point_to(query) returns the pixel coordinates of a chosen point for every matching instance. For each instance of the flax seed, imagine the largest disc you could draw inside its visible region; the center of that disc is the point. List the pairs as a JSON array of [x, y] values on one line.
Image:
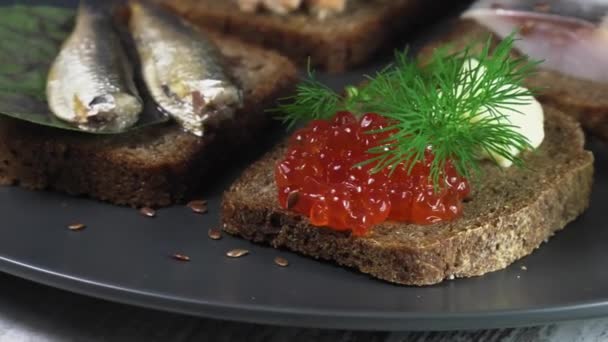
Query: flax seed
[[237, 253]]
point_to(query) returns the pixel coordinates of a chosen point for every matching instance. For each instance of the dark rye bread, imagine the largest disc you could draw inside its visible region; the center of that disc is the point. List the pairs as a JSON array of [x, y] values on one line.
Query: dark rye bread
[[510, 214], [584, 100], [154, 166], [334, 44]]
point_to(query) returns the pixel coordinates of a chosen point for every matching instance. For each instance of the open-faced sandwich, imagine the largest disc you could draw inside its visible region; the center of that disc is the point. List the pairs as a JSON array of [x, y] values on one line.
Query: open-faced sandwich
[[429, 171], [138, 118], [331, 34], [571, 37]]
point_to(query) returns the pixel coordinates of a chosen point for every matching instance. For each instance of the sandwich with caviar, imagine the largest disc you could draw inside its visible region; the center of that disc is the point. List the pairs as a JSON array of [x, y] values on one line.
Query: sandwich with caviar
[[429, 171]]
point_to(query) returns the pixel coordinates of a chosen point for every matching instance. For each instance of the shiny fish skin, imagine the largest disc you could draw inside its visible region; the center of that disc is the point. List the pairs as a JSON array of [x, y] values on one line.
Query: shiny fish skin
[[90, 83], [182, 69], [570, 36]]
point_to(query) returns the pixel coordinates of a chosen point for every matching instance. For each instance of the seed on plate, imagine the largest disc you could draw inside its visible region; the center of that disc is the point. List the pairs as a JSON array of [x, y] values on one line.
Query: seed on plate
[[147, 211], [237, 253], [181, 257], [292, 199], [281, 261], [76, 226], [198, 206], [214, 234]]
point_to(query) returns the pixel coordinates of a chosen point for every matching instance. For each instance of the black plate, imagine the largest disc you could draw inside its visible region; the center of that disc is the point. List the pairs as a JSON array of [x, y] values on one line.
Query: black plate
[[125, 257]]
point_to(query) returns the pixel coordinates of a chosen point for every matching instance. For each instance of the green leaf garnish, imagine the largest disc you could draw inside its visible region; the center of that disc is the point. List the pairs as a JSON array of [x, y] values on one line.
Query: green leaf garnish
[[313, 101], [30, 38], [449, 105]]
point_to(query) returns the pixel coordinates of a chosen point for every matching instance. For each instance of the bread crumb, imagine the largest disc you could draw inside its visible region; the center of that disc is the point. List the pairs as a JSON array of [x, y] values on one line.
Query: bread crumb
[[518, 277], [451, 277], [524, 268]]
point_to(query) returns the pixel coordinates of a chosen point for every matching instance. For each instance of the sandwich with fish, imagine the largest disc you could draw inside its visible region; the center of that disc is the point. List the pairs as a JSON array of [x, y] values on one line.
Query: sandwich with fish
[[570, 37], [133, 111]]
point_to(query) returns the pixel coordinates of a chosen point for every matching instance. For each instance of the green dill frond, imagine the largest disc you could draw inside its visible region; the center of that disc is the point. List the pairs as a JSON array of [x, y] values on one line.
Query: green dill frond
[[452, 105], [312, 100]]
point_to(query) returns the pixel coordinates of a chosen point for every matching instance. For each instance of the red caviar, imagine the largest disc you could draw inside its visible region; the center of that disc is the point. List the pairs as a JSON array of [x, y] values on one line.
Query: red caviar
[[318, 178]]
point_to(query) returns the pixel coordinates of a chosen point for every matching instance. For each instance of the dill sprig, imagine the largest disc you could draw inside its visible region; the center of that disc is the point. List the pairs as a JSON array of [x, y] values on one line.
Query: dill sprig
[[312, 100], [451, 105]]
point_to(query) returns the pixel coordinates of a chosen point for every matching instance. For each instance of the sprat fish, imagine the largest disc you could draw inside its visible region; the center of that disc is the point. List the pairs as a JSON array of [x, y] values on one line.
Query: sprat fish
[[90, 83], [570, 36], [182, 69]]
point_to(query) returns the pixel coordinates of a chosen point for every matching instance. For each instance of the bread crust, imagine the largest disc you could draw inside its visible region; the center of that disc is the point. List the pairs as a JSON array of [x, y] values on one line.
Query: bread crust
[[154, 166], [512, 212]]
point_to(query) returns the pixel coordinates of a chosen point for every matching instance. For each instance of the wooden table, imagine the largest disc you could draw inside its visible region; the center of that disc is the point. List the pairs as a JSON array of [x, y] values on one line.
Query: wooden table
[[32, 312]]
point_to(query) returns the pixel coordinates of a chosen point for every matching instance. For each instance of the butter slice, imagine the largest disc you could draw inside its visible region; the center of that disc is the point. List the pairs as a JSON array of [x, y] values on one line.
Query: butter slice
[[527, 119]]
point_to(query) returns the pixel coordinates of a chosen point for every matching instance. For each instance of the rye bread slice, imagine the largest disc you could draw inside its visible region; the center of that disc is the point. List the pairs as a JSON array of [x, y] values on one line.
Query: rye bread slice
[[154, 166], [585, 100], [511, 213], [334, 44]]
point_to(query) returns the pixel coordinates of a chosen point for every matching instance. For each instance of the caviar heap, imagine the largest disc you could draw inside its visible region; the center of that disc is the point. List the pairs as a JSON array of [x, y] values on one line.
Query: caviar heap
[[320, 177]]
